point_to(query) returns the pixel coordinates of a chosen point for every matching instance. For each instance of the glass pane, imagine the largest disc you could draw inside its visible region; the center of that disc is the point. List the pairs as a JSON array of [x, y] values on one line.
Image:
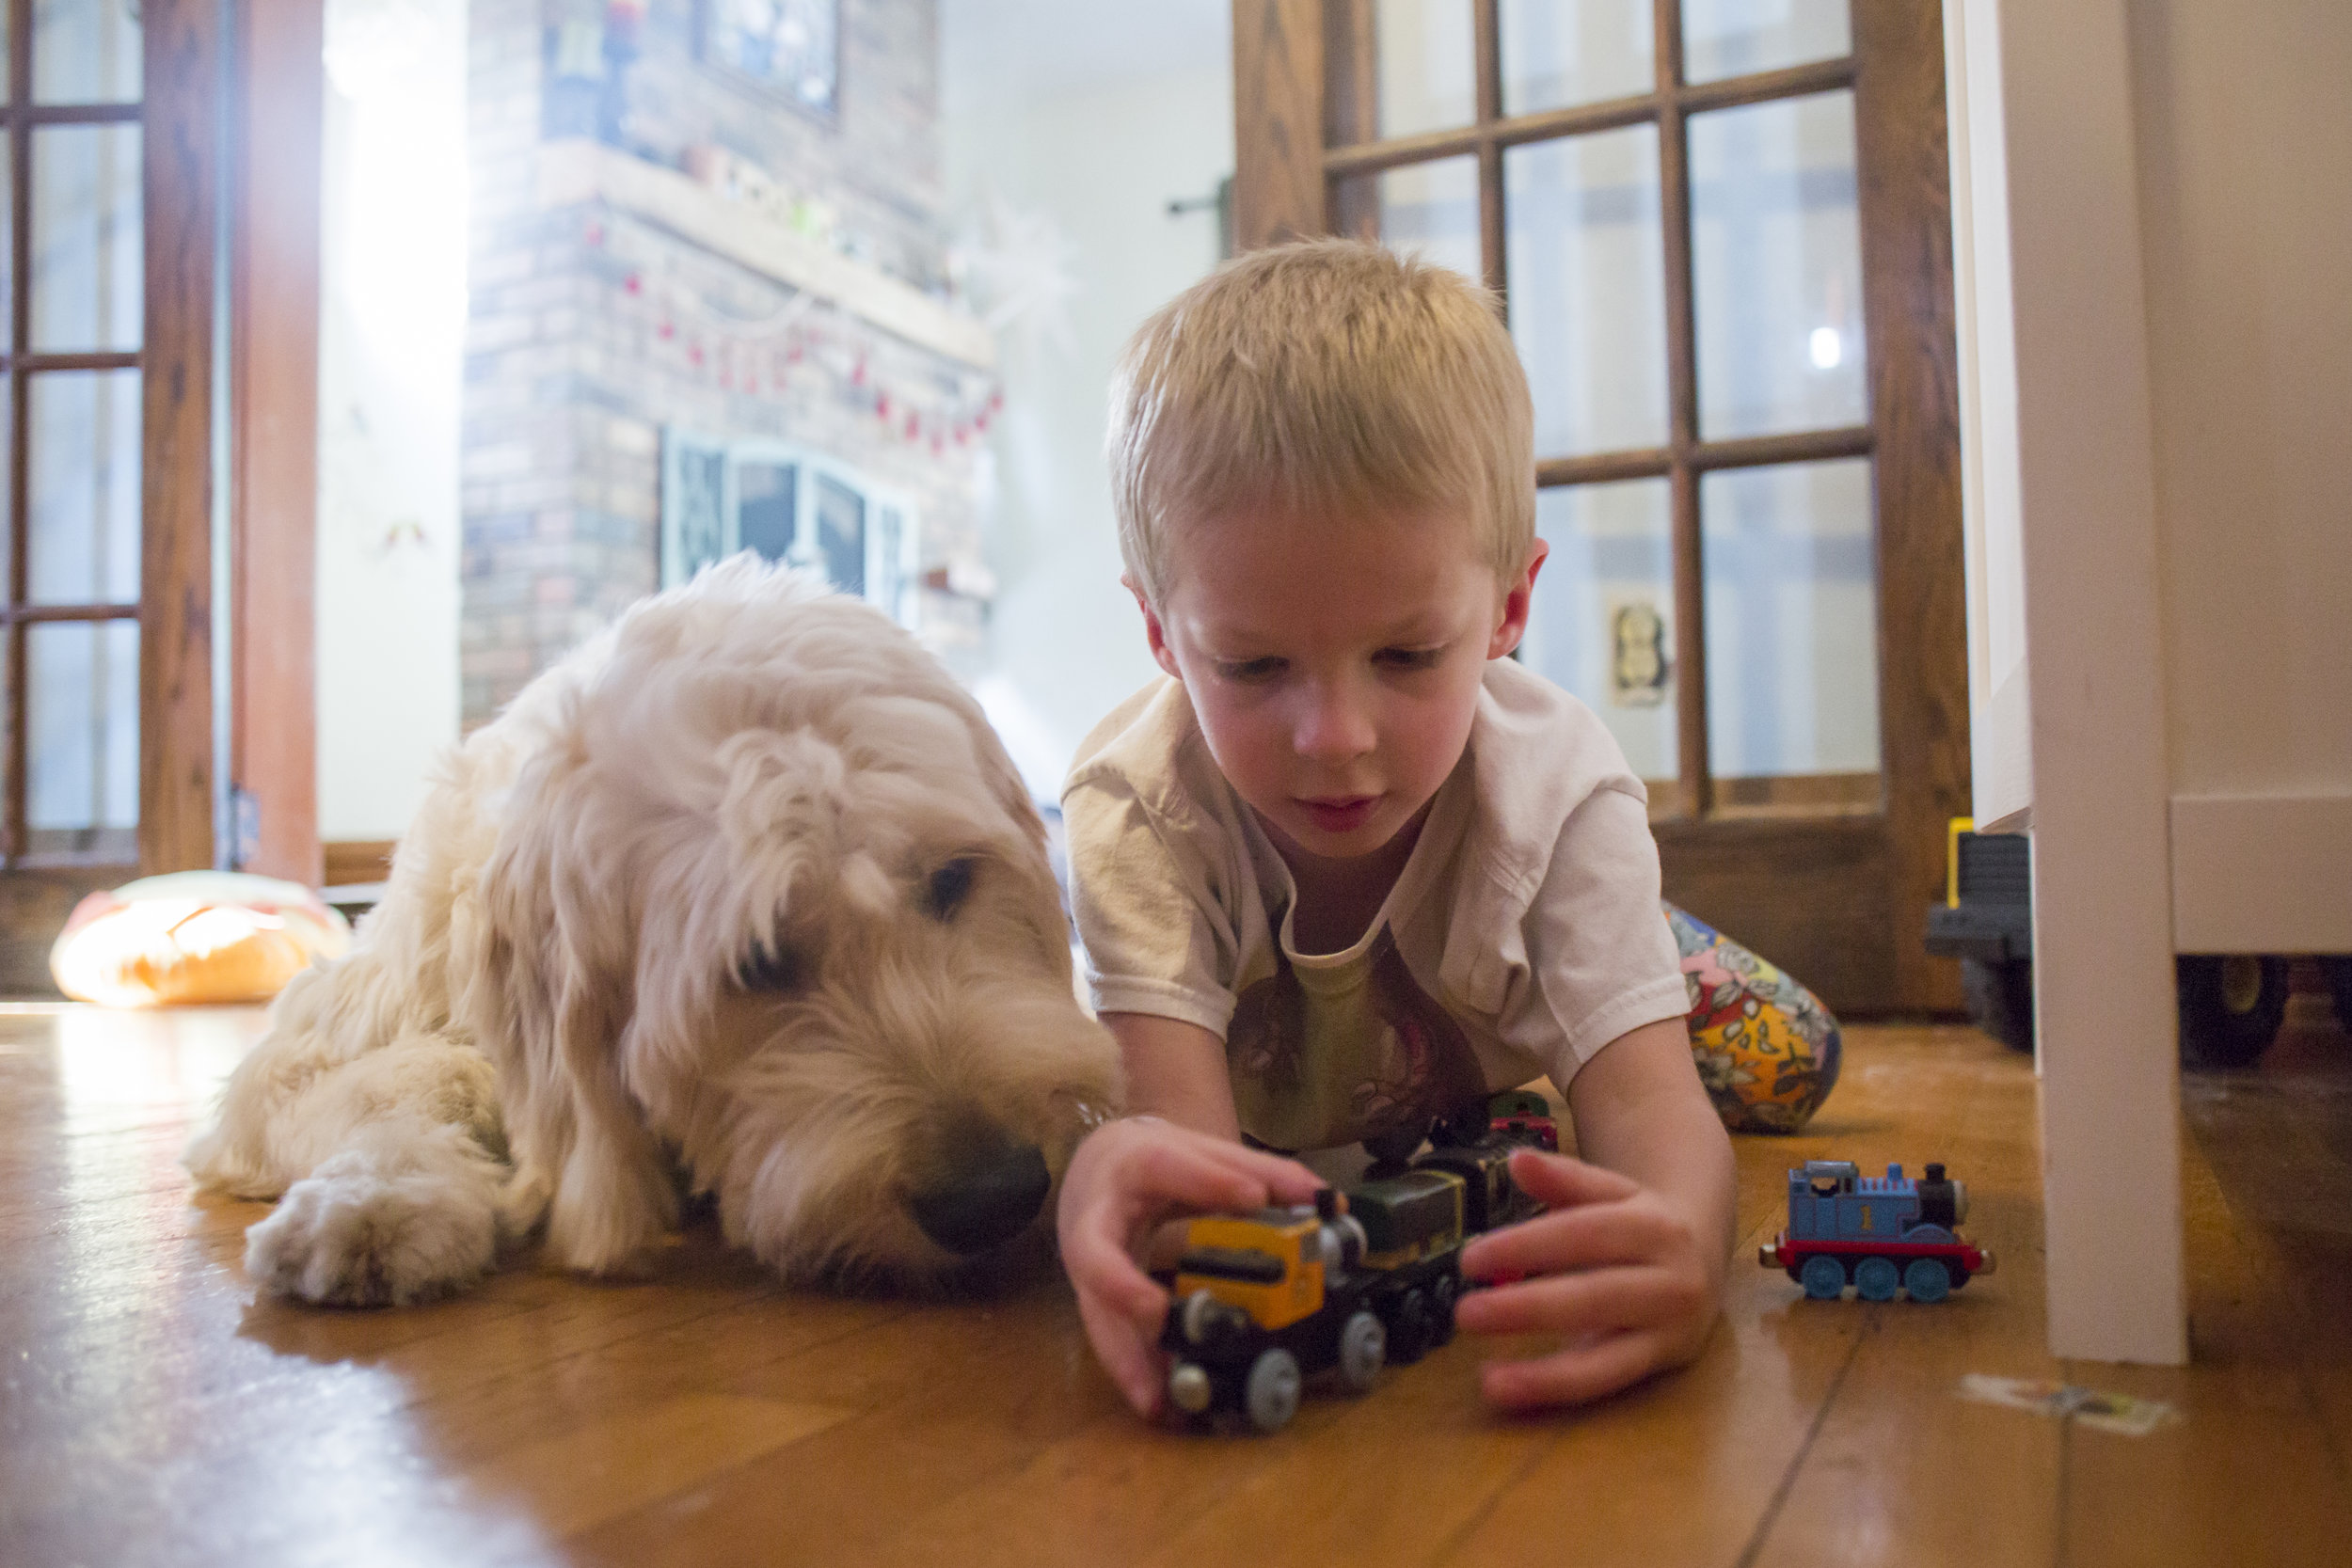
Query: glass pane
[[88, 264], [82, 713], [1558, 53], [1602, 622], [1429, 210], [7, 229], [768, 493], [83, 486], [1588, 289], [1777, 261], [85, 52], [1792, 684], [1738, 38], [841, 535], [1428, 82]]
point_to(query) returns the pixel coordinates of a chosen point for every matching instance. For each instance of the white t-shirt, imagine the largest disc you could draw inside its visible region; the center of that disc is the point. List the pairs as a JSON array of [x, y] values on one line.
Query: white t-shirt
[[1523, 934]]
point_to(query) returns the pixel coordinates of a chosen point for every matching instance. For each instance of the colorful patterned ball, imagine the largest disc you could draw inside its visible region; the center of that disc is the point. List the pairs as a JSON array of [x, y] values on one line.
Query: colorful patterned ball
[[1767, 1050]]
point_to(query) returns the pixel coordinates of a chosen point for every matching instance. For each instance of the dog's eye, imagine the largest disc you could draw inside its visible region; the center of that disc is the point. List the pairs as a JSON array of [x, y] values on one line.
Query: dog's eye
[[777, 973], [948, 886]]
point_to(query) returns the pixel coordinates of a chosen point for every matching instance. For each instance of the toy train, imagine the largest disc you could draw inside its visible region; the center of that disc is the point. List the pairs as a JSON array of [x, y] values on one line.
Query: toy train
[[1262, 1301], [1877, 1233]]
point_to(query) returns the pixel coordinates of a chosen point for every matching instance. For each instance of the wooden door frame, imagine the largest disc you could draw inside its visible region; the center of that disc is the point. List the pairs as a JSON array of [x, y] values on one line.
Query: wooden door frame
[[231, 93], [1287, 133], [270, 69]]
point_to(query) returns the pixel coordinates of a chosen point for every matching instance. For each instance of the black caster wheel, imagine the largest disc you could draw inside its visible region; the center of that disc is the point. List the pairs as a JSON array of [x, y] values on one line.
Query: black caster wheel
[[2231, 1005]]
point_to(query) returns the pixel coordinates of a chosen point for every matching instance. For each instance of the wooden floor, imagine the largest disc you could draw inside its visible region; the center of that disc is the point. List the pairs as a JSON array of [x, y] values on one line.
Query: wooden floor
[[153, 1412]]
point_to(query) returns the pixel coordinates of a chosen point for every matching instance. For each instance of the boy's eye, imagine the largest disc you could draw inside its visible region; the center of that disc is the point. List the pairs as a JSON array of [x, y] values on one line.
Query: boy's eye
[[1409, 658], [1250, 669]]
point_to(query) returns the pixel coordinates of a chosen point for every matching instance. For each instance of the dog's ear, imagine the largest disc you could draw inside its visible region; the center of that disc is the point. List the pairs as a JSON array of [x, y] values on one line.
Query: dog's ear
[[550, 998], [1004, 780]]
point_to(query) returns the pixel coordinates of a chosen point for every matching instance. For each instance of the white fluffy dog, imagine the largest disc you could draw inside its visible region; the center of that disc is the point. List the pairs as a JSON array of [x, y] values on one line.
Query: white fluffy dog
[[741, 899]]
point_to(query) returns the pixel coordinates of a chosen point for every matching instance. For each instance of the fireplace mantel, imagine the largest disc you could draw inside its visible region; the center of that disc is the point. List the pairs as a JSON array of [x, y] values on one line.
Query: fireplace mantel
[[575, 170]]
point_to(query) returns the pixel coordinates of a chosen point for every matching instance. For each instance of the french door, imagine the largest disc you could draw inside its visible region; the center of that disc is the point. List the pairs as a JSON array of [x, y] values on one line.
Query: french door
[[1720, 230], [158, 426]]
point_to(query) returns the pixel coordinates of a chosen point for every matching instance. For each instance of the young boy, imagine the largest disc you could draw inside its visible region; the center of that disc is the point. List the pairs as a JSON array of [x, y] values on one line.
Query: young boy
[[1349, 867]]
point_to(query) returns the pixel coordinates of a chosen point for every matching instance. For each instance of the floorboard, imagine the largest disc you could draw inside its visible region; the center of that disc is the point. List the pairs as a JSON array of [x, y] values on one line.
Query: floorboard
[[153, 1410]]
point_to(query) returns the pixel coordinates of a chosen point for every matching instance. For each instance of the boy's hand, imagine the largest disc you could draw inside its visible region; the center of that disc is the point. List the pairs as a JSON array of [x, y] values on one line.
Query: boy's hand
[[1126, 1179], [1617, 1270]]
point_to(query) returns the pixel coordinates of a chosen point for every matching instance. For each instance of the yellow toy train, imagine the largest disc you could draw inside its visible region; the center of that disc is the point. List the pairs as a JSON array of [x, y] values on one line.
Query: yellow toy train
[[1262, 1301]]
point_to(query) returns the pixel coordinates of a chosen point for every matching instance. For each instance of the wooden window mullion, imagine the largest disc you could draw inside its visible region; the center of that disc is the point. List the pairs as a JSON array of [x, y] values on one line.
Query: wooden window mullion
[[14, 837], [1694, 782], [1486, 43]]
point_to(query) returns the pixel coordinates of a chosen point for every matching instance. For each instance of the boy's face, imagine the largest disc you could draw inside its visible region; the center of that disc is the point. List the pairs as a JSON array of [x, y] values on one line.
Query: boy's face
[[1334, 663]]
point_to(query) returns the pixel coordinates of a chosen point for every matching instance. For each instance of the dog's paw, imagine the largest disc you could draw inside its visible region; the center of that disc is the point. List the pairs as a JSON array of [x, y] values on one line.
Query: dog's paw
[[351, 1235]]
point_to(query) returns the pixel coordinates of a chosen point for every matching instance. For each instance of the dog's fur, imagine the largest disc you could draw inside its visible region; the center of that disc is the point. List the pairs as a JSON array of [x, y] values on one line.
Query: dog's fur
[[743, 899]]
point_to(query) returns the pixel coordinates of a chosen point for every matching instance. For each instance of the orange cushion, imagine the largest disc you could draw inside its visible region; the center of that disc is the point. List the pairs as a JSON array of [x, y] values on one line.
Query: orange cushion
[[194, 935]]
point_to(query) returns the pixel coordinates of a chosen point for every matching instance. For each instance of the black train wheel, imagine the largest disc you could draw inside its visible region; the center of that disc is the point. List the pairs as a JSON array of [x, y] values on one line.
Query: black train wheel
[[1411, 1328], [1443, 1292], [2231, 1006]]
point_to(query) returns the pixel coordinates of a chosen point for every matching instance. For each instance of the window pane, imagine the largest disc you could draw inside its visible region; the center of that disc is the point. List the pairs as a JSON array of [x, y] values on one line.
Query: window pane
[[83, 451], [87, 267], [85, 52], [1428, 82], [82, 693], [7, 228], [1777, 267], [1428, 210], [1588, 290], [82, 488], [841, 535], [1602, 622], [1558, 53], [768, 494], [1738, 38], [1791, 621]]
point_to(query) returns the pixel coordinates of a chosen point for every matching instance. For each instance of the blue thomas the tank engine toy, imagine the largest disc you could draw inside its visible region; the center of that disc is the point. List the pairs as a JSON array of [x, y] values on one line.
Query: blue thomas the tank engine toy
[[1879, 1234]]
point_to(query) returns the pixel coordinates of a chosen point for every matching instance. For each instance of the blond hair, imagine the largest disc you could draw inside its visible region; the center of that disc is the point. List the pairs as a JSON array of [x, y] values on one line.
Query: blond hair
[[1323, 377]]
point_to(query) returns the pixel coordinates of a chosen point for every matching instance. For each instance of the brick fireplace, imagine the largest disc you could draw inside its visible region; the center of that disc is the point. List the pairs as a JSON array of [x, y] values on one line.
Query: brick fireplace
[[664, 248]]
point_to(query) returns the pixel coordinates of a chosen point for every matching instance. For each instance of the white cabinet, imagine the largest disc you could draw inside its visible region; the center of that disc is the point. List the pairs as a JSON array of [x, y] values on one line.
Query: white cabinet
[[2150, 213]]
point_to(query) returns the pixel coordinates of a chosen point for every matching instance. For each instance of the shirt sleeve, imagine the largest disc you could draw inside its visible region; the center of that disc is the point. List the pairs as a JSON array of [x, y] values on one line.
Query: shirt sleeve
[[1601, 959], [1156, 934]]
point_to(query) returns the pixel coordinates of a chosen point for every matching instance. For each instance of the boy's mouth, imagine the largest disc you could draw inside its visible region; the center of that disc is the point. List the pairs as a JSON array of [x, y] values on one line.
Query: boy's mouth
[[1341, 814]]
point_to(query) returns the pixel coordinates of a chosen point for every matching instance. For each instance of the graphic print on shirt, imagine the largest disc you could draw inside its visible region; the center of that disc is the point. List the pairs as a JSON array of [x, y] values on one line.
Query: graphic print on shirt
[[1322, 1055]]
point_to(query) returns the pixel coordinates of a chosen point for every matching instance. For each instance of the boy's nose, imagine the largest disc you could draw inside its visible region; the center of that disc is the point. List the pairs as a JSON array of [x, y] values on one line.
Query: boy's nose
[[1333, 726]]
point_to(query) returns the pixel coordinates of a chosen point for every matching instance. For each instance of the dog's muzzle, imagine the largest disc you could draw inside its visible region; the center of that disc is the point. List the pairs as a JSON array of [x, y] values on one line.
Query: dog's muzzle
[[992, 1196]]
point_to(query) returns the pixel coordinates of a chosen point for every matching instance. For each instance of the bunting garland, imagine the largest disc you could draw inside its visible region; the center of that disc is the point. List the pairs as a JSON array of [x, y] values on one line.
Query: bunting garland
[[760, 357]]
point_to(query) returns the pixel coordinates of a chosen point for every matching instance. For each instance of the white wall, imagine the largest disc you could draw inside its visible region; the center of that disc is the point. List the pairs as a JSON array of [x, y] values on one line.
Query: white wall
[[1090, 119], [390, 334]]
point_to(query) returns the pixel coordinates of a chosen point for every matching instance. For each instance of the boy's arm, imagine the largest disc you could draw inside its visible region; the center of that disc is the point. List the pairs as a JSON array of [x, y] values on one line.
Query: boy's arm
[[1627, 1267], [1182, 1154], [1639, 1110], [1176, 1071]]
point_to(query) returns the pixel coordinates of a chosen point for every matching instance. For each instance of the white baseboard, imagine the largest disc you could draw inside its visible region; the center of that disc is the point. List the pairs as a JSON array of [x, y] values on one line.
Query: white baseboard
[[2262, 873]]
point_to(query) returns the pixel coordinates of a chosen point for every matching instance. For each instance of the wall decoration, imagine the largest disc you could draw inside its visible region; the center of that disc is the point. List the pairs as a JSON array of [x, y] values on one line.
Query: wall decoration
[[792, 48], [756, 352]]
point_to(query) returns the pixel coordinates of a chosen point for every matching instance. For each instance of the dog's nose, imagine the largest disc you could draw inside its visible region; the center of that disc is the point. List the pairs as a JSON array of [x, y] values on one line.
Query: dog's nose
[[992, 1193]]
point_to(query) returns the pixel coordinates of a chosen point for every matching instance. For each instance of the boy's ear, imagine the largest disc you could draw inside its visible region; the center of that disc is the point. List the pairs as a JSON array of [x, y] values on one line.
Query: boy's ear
[[1518, 598], [1151, 630]]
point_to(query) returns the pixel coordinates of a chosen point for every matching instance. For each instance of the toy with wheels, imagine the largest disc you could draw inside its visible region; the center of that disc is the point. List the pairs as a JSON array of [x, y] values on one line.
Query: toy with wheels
[[1878, 1234], [2231, 1005]]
